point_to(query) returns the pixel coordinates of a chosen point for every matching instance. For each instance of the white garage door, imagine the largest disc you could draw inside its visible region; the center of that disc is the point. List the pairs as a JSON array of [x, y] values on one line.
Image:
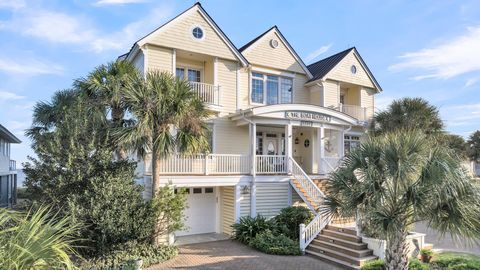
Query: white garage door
[[200, 215]]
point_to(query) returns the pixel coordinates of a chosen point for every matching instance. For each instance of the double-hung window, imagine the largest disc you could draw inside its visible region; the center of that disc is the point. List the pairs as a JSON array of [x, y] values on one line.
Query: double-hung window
[[270, 89]]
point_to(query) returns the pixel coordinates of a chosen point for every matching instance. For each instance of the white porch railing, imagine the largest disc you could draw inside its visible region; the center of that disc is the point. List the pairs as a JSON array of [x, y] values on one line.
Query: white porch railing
[[207, 93], [309, 232], [228, 164], [310, 188], [328, 164], [271, 164], [355, 111]]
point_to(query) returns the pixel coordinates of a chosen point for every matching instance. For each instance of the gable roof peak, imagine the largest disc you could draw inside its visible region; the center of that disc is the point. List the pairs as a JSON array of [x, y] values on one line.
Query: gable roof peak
[[322, 67]]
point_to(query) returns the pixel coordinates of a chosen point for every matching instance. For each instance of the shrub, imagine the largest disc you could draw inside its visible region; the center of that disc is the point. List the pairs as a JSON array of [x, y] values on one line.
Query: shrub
[[457, 261], [247, 228], [122, 255], [414, 264], [374, 265], [290, 218], [269, 243]]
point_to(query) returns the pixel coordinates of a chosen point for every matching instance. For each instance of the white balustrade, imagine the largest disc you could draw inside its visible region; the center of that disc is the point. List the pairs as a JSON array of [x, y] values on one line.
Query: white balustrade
[[228, 164], [271, 164], [329, 164], [310, 188], [310, 231], [207, 93], [354, 111]]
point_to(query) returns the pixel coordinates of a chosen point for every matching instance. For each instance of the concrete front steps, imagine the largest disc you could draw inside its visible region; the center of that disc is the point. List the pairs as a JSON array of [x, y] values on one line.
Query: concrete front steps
[[340, 246]]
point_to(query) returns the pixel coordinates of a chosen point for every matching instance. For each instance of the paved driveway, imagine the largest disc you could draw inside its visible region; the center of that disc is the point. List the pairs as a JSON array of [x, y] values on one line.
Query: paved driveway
[[229, 254]]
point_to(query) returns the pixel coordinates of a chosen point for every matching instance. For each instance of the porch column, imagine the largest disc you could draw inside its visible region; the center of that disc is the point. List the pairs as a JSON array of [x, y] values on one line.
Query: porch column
[[288, 146], [253, 149], [321, 144], [341, 146]]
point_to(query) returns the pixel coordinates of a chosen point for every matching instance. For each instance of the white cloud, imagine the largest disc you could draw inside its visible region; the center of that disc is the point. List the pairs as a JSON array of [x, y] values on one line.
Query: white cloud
[[8, 96], [455, 57], [382, 103], [471, 82], [317, 52], [118, 2], [461, 115], [29, 66], [58, 27], [12, 4]]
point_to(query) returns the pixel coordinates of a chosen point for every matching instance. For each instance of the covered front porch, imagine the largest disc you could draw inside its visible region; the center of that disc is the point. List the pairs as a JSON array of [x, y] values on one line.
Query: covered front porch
[[311, 136]]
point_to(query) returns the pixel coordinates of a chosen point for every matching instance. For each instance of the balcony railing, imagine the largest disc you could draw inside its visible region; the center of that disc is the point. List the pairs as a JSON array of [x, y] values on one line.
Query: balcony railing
[[354, 111], [219, 164], [12, 165], [208, 93]]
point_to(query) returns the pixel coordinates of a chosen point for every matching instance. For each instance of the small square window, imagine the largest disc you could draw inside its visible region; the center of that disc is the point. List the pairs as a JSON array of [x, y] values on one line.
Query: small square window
[[197, 190], [209, 190], [187, 191]]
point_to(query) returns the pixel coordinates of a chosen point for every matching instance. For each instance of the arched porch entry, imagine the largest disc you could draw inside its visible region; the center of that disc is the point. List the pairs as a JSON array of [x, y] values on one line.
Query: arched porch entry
[[312, 135]]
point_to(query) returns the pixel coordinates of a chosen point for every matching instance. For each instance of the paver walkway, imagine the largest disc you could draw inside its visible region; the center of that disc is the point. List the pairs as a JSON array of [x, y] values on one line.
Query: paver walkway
[[230, 254]]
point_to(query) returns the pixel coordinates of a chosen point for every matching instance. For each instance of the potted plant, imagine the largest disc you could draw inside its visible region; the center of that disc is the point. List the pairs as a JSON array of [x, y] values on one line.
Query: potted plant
[[426, 255]]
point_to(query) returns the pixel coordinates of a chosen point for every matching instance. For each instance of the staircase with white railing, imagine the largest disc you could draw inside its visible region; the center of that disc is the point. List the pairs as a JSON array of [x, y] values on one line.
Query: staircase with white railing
[[318, 238]]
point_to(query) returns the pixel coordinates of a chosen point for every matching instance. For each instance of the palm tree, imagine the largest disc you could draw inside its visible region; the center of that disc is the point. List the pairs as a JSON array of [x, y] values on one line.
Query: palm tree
[[397, 179], [106, 86], [408, 113], [167, 116], [36, 240]]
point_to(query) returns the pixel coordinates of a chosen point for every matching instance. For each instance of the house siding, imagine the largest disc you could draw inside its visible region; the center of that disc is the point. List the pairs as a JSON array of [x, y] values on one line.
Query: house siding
[[367, 101], [229, 138], [343, 73], [178, 34], [244, 204], [332, 95], [227, 78], [271, 198], [227, 209], [159, 58], [262, 54]]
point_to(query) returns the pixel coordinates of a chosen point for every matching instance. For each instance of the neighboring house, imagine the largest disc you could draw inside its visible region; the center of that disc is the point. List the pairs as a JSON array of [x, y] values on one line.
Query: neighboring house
[[278, 125], [8, 170]]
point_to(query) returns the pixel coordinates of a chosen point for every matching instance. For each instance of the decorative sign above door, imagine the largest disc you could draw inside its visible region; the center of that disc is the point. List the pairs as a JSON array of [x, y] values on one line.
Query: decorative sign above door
[[311, 116]]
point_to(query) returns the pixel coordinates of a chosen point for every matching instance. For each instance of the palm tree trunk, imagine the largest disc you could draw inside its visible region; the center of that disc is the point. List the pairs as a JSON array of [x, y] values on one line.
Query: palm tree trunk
[[156, 237], [396, 257], [117, 117], [155, 172]]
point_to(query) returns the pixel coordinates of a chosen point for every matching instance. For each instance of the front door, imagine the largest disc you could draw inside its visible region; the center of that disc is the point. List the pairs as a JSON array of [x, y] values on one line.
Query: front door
[[271, 146]]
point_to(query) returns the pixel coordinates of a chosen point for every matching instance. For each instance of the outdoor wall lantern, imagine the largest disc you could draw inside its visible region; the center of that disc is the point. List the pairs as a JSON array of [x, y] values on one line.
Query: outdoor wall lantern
[[245, 189]]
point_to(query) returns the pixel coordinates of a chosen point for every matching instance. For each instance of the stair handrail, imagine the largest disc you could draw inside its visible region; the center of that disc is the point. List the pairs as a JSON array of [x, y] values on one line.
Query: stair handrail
[[310, 231], [306, 182]]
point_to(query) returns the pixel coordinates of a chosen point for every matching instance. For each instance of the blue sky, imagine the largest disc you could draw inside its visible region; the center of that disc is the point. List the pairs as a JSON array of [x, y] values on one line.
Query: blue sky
[[428, 49]]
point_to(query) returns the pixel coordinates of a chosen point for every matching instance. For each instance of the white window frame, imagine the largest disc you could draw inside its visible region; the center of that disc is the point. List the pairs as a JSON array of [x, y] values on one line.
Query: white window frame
[[265, 78], [192, 67]]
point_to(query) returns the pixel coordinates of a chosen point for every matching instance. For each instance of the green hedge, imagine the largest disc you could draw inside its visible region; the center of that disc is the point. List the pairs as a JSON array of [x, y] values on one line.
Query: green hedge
[[122, 255], [457, 261], [269, 243], [380, 265]]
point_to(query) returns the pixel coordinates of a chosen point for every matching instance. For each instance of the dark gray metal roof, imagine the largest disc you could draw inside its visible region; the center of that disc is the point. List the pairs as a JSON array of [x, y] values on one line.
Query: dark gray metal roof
[[321, 68], [8, 136]]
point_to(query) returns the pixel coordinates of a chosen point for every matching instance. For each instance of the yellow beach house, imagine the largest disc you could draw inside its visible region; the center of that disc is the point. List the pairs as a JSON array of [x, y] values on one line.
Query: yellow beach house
[[278, 126]]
